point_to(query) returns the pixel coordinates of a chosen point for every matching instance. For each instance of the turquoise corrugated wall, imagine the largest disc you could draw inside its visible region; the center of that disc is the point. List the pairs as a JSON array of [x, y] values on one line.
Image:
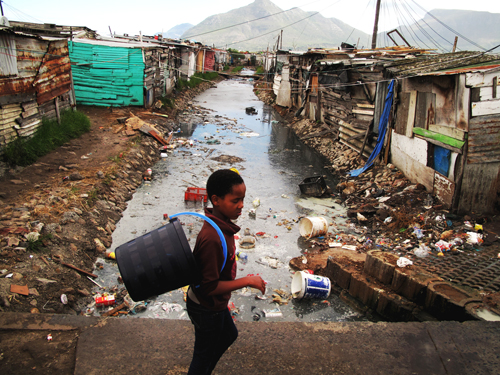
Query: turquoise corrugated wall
[[107, 76]]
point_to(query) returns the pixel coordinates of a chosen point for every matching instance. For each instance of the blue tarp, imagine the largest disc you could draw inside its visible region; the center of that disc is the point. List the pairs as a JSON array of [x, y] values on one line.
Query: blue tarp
[[382, 129]]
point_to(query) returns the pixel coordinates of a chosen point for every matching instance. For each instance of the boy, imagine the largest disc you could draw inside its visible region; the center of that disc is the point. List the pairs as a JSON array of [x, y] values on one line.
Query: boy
[[207, 303]]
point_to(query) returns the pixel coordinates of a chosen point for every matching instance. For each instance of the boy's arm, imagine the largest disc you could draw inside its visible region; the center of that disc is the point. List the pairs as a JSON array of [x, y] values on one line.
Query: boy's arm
[[230, 285]]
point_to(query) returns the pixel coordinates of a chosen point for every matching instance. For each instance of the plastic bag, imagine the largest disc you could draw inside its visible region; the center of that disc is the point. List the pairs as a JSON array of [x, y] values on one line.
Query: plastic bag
[[403, 262]]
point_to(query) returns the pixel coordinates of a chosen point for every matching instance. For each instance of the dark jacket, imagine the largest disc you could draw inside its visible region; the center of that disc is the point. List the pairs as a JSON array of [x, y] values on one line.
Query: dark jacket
[[209, 257]]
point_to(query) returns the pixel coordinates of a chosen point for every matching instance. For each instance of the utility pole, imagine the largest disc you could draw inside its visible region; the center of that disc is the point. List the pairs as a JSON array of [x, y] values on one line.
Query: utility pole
[[1, 7], [375, 26]]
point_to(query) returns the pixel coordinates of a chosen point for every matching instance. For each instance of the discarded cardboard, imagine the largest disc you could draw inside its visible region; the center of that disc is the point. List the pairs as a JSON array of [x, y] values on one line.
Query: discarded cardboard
[[20, 289]]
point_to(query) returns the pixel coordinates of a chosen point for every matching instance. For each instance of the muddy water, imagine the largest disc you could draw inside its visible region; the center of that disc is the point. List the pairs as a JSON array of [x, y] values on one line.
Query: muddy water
[[273, 162]]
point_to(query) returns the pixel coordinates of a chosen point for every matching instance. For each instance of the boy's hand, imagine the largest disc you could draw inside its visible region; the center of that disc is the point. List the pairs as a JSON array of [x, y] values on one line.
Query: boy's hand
[[257, 283]]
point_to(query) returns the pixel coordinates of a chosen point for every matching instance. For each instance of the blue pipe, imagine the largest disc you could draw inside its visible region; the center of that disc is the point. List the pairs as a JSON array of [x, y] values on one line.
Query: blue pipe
[[216, 227]]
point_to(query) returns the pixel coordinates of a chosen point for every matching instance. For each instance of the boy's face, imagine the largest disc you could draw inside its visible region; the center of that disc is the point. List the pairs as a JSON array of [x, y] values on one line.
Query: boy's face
[[231, 204]]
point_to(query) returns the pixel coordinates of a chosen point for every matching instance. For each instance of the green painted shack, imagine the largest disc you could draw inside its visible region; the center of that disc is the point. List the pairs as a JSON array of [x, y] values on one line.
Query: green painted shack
[[107, 73]]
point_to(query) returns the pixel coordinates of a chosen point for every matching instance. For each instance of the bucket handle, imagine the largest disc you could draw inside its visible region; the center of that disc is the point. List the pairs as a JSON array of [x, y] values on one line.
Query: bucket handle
[[215, 226]]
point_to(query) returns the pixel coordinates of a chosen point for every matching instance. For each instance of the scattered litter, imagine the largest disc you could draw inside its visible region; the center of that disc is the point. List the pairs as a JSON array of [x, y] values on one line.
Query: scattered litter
[[256, 202], [403, 262], [171, 307], [422, 251], [243, 257], [273, 313], [474, 238], [271, 262], [64, 299], [108, 300], [247, 242], [349, 247], [49, 337]]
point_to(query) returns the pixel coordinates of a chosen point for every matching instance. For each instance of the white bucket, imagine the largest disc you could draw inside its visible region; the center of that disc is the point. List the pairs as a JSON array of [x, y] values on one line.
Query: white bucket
[[305, 285], [313, 227]]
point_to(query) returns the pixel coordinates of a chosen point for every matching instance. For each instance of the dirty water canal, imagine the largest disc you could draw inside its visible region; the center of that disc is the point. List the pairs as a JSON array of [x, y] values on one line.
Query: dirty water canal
[[217, 132]]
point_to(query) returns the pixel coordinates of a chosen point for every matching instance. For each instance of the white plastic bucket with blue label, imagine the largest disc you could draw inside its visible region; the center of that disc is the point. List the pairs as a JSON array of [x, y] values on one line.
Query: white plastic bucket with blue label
[[305, 285]]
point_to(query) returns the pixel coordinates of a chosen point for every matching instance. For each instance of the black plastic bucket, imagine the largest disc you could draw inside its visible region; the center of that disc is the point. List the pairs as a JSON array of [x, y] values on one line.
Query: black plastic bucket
[[157, 262]]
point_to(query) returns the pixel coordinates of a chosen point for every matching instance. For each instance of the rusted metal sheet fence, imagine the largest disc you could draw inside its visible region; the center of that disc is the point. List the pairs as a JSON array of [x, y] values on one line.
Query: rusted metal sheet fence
[[41, 80], [484, 139]]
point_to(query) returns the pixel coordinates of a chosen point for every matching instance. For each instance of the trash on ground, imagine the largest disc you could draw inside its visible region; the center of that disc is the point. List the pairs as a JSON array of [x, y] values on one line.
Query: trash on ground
[[270, 261], [19, 289], [314, 186], [105, 300], [247, 242], [273, 313], [305, 285], [242, 256], [171, 307], [196, 194], [403, 262]]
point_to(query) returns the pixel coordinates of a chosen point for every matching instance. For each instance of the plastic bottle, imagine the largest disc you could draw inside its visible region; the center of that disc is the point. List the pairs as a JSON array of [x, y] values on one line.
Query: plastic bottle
[[242, 256]]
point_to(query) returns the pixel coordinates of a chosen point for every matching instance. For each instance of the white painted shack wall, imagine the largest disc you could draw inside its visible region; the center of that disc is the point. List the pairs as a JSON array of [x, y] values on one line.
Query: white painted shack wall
[[284, 97], [415, 148], [410, 156], [489, 93]]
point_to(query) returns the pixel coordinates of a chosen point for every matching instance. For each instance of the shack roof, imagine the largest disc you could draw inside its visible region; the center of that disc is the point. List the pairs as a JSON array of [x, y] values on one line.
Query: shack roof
[[446, 63], [49, 29]]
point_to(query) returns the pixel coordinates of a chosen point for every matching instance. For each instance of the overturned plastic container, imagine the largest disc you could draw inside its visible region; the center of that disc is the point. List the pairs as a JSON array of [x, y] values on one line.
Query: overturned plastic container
[[314, 186], [313, 227], [305, 285], [161, 260]]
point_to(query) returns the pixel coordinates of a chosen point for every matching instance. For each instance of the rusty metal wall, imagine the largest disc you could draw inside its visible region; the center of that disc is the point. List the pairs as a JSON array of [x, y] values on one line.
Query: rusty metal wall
[[43, 74], [484, 140]]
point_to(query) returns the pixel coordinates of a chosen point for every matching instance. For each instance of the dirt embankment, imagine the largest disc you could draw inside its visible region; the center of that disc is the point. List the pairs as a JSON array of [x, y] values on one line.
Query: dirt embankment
[[71, 200]]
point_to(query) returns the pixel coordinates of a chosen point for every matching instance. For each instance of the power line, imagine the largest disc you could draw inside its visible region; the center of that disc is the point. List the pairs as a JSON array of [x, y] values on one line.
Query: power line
[[20, 14], [449, 28], [283, 27], [430, 27]]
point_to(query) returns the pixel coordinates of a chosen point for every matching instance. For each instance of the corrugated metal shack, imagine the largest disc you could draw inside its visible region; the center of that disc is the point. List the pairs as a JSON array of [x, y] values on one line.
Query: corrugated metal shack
[[35, 76], [446, 113], [447, 127], [122, 70], [343, 90]]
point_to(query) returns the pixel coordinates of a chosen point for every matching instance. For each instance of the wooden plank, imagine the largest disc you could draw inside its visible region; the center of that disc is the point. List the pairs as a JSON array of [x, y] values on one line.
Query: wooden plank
[[411, 114], [490, 107], [415, 171], [29, 112], [357, 148], [448, 131], [402, 113], [363, 112], [480, 184], [430, 135], [479, 79], [462, 104], [443, 190], [426, 110], [488, 93], [361, 105]]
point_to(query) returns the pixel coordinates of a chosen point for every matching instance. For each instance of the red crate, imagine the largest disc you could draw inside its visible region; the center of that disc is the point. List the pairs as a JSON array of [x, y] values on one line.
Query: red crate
[[196, 194]]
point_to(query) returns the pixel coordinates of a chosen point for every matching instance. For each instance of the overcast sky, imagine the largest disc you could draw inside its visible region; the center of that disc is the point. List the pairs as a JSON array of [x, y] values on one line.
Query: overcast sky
[[150, 17]]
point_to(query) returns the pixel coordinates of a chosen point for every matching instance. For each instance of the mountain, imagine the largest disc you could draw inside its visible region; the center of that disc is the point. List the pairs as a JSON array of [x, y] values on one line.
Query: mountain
[[301, 30], [176, 31], [481, 28]]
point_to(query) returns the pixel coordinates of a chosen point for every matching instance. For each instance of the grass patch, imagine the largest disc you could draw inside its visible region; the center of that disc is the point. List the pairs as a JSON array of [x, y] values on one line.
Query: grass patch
[[37, 242], [168, 102], [49, 136], [260, 70], [237, 69]]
